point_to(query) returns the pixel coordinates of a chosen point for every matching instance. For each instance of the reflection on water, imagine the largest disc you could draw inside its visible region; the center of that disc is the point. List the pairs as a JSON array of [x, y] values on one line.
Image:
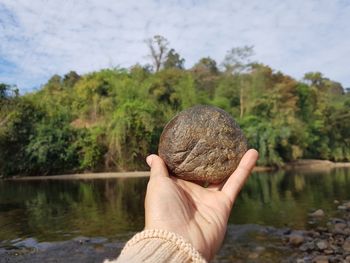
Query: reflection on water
[[60, 210], [113, 208], [285, 198]]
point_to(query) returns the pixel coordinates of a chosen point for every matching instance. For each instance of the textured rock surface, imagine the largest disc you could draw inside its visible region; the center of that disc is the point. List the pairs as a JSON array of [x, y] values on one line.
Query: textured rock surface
[[202, 143]]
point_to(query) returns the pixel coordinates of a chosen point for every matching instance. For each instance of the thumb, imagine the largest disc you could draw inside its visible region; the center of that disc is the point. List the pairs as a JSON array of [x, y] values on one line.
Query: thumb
[[157, 165], [236, 181]]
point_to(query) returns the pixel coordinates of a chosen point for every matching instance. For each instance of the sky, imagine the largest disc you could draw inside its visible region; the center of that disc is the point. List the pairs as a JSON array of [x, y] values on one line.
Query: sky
[[40, 38]]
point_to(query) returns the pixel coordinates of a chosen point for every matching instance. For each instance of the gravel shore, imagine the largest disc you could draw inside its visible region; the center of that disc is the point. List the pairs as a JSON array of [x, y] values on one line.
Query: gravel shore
[[325, 242]]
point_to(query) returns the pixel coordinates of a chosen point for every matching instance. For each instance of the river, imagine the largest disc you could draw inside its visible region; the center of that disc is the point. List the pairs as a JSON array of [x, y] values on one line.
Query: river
[[88, 220]]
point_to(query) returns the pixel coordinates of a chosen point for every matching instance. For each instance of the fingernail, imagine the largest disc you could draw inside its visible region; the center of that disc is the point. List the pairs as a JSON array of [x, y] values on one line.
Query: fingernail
[[149, 160]]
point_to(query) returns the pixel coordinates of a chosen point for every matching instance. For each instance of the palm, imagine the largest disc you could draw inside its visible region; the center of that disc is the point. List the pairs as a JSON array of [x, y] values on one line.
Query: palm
[[198, 214]]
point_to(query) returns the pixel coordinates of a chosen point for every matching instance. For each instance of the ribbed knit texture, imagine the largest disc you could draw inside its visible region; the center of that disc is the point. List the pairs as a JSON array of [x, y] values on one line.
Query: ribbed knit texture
[[158, 246]]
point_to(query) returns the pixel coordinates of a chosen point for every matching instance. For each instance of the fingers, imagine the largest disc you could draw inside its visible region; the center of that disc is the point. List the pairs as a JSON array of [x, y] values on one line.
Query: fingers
[[157, 165], [236, 181]]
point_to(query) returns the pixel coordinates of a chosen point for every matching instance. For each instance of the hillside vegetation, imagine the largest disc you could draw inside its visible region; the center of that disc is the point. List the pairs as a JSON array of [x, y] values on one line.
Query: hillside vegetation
[[111, 120]]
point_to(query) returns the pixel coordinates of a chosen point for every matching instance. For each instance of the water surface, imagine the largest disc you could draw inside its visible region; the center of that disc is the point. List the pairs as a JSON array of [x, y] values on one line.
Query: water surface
[[112, 210]]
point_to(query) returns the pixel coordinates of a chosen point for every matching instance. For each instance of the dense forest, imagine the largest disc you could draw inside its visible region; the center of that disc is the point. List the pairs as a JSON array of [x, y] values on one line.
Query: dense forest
[[111, 120]]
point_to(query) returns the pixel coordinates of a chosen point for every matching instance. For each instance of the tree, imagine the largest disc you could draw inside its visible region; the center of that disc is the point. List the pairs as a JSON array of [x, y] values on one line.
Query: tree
[[313, 78], [173, 60], [8, 91], [316, 79], [51, 148], [206, 64], [158, 46], [130, 134], [15, 135], [8, 98], [113, 118], [206, 74], [70, 79], [54, 83], [237, 62]]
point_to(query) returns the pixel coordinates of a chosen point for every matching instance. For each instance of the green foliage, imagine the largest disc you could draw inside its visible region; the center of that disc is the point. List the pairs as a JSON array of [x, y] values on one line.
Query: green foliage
[[174, 60], [91, 149], [51, 148], [7, 92], [206, 76], [112, 119], [132, 125], [17, 126]]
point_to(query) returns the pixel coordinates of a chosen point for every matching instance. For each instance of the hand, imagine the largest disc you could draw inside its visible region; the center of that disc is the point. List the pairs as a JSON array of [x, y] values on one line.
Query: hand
[[196, 213]]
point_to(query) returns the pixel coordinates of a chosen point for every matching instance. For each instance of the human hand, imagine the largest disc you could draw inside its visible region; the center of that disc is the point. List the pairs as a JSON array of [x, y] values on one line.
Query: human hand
[[196, 213]]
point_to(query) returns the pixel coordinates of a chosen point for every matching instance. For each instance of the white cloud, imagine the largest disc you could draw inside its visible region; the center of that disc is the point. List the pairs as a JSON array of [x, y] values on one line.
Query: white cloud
[[43, 37]]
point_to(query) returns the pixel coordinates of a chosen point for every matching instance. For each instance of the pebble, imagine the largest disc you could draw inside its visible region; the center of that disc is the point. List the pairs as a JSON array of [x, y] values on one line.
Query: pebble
[[253, 255], [328, 251], [340, 225], [337, 231], [314, 233], [347, 231], [322, 245], [338, 240], [320, 259], [309, 246], [296, 239], [346, 245], [337, 220], [260, 249], [347, 205], [341, 207], [317, 213], [322, 229]]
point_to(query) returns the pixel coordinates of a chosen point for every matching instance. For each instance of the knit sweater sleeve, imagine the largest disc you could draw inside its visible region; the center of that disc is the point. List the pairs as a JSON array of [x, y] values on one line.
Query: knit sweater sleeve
[[158, 246]]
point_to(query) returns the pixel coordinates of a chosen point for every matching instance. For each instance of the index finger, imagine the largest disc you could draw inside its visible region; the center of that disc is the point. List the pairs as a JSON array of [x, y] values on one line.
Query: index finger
[[236, 181]]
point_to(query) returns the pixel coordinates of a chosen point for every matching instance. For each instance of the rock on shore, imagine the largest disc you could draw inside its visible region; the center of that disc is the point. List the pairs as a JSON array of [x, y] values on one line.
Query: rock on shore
[[323, 244]]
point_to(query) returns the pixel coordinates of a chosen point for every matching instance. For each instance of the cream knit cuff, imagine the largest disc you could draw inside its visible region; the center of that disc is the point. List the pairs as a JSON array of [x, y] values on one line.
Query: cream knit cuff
[[179, 242], [158, 245]]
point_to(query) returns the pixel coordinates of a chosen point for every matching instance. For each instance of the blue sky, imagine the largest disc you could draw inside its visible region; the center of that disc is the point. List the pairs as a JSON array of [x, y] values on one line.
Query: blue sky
[[40, 38]]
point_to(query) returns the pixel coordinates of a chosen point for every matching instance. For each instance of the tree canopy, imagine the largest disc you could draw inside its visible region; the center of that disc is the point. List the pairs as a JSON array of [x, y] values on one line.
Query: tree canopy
[[112, 119]]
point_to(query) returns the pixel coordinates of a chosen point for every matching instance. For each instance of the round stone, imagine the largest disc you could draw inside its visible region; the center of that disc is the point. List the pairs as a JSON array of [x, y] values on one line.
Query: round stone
[[202, 143]]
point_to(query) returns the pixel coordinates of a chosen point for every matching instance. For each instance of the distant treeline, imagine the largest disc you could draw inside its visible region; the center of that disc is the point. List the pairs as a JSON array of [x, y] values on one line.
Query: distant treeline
[[112, 119]]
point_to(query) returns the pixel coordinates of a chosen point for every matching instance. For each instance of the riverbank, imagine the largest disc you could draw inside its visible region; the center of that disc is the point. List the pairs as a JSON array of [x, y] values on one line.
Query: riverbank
[[304, 165], [325, 241], [315, 164], [86, 176]]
